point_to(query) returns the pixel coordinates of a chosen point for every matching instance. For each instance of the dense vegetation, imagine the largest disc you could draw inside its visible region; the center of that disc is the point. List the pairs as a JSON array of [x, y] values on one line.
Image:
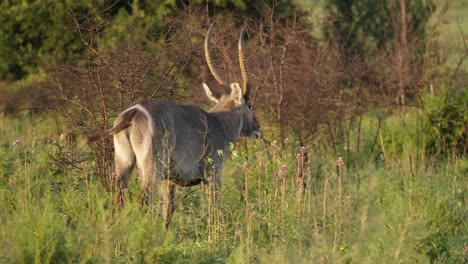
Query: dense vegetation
[[398, 205], [363, 106]]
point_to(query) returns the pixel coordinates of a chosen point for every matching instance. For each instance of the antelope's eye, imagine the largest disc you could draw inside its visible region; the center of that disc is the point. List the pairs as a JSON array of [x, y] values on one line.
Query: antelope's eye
[[250, 107]]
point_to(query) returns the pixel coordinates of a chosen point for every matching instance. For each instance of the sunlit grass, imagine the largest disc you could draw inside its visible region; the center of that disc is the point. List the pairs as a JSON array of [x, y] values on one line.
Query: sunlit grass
[[272, 207]]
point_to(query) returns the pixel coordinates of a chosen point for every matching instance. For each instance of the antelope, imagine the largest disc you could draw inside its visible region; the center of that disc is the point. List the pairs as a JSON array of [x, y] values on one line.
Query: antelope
[[178, 145]]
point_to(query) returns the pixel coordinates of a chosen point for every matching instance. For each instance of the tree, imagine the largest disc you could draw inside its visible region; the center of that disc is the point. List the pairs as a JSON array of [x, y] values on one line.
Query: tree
[[32, 32], [391, 30]]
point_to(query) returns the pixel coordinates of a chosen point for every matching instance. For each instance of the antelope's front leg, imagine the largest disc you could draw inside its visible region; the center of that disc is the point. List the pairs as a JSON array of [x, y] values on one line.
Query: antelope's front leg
[[168, 194]]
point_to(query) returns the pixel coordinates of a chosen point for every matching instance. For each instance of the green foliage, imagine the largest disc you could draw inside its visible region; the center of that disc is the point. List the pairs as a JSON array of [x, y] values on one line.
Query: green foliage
[[447, 123], [396, 213], [34, 31], [251, 8], [436, 131], [363, 25], [52, 32]]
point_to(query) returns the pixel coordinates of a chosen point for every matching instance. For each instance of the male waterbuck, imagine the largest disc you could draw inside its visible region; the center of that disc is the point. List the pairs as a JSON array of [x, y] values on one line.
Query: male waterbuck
[[173, 144]]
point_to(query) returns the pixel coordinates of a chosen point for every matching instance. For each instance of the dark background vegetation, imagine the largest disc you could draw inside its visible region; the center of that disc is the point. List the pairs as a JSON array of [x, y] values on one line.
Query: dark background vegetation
[[88, 60]]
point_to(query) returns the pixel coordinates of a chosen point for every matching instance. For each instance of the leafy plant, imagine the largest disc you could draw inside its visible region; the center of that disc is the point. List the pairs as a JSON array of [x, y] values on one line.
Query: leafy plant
[[447, 125]]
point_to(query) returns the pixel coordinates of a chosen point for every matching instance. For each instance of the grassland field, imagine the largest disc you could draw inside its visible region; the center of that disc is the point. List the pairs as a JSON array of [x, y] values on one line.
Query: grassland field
[[386, 202]]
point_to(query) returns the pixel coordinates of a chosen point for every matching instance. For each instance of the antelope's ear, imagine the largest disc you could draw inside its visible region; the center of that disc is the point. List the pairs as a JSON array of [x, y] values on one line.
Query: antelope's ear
[[209, 94], [236, 92]]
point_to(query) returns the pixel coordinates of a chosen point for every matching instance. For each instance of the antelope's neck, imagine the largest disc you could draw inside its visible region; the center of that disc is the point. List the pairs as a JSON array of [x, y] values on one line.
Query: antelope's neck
[[231, 122]]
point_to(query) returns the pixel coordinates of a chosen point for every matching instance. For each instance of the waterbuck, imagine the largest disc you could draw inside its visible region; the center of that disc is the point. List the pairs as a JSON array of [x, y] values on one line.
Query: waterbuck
[[174, 144]]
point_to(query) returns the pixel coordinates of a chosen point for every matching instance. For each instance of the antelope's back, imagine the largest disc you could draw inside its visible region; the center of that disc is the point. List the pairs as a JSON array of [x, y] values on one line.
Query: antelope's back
[[186, 134]]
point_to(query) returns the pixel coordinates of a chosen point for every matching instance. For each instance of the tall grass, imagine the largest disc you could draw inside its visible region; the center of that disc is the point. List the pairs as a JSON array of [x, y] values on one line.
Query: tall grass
[[275, 206]]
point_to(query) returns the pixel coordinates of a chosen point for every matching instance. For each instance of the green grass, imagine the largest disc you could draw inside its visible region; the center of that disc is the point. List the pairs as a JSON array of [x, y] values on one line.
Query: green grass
[[454, 31], [370, 210]]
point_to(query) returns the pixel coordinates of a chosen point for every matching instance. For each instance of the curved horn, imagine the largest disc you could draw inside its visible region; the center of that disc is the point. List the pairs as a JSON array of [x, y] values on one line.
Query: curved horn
[[245, 72], [212, 68]]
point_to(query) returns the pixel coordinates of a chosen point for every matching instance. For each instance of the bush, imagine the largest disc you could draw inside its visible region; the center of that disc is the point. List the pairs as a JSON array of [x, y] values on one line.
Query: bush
[[447, 124]]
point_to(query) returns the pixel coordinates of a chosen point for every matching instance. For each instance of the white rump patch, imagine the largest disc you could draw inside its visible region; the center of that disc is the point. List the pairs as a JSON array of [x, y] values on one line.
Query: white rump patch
[[123, 148], [146, 113]]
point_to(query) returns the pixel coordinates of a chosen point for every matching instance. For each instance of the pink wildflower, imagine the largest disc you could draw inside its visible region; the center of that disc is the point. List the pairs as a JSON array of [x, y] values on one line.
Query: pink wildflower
[[282, 172], [260, 165], [303, 150], [340, 162]]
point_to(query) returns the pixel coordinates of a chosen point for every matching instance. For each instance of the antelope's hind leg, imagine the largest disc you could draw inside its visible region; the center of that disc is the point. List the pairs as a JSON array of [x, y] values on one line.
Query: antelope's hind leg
[[150, 168], [150, 175], [124, 164]]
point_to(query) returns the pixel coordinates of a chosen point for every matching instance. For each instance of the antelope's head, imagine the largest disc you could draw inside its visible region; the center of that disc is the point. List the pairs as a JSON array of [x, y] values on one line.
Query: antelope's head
[[234, 98]]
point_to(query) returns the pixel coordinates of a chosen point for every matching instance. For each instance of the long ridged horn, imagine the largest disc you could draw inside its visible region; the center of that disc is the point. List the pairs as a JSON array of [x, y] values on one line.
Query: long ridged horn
[[212, 68], [245, 72]]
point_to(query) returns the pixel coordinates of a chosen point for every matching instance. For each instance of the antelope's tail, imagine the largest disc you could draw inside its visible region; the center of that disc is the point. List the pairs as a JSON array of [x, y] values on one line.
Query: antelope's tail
[[125, 120]]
